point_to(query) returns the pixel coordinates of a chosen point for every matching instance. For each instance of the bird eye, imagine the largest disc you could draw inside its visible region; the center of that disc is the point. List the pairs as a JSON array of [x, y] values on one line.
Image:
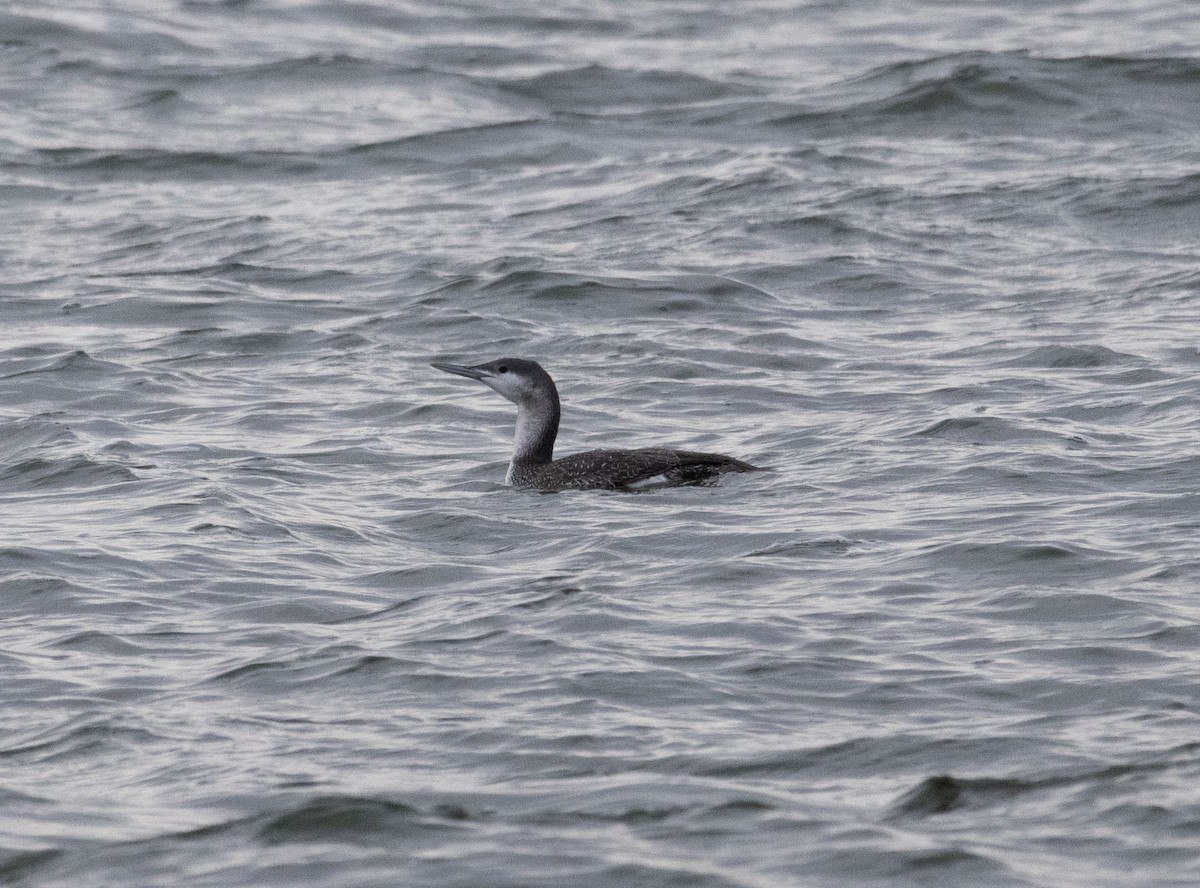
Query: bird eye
[[503, 368]]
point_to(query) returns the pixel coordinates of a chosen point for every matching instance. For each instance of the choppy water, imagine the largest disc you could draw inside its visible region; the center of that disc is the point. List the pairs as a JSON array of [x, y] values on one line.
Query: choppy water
[[268, 617]]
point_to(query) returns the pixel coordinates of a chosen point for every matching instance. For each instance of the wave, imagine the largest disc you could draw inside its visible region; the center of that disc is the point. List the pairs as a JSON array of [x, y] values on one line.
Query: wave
[[1053, 357], [598, 87], [995, 92], [150, 163]]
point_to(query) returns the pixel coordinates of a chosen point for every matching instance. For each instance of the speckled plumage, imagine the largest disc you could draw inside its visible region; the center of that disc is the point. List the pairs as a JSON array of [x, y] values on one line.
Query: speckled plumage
[[623, 469], [530, 387]]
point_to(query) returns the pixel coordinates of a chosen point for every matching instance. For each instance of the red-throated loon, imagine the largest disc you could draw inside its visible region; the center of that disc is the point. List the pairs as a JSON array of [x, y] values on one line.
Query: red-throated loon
[[530, 387]]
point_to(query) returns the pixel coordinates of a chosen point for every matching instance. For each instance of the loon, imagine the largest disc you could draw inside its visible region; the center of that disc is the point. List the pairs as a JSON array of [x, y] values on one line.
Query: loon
[[530, 387]]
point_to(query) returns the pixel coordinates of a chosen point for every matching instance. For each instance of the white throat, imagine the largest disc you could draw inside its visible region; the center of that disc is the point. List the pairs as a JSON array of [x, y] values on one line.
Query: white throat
[[529, 431]]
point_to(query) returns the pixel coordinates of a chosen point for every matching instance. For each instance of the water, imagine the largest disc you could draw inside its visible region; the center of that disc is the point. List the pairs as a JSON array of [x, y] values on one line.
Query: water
[[270, 619]]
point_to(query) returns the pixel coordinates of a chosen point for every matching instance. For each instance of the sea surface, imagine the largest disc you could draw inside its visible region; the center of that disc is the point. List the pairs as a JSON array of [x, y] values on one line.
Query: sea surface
[[268, 616]]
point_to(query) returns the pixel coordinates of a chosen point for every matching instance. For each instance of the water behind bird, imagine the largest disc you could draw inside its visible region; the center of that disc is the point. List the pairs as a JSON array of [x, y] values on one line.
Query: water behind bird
[[271, 617]]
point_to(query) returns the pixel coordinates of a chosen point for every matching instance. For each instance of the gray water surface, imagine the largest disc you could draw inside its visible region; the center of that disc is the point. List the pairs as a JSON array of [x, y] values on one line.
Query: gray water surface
[[269, 618]]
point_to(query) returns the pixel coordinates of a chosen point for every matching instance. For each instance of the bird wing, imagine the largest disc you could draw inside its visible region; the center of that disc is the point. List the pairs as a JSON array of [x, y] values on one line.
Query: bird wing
[[614, 469]]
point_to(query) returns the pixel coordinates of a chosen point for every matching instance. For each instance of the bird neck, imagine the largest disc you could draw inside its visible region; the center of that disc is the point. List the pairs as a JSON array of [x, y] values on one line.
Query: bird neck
[[537, 427]]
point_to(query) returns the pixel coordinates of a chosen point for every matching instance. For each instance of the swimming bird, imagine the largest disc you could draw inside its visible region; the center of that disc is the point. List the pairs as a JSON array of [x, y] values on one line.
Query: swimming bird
[[530, 387]]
